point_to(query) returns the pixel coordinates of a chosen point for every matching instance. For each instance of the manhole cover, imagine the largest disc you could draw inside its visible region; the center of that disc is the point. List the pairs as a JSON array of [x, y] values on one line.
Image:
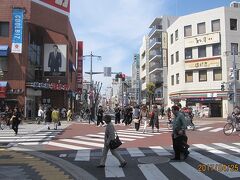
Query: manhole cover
[[153, 160]]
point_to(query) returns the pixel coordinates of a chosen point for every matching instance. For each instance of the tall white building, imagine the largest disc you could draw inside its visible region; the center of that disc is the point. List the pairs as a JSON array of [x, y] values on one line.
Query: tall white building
[[136, 89], [200, 59]]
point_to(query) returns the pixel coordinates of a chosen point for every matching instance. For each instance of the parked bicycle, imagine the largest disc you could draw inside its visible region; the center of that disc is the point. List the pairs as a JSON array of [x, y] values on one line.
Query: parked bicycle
[[232, 124]]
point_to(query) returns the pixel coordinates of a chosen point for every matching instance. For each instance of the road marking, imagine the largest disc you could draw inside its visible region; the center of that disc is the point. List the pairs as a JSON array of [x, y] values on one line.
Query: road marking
[[67, 146], [122, 135], [216, 130], [205, 160], [89, 139], [30, 143], [132, 133], [82, 142], [83, 155], [102, 136], [135, 152], [231, 148], [111, 168], [189, 171], [151, 172], [205, 128], [160, 150]]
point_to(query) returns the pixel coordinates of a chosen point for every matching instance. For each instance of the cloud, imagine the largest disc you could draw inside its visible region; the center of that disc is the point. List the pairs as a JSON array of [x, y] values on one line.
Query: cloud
[[113, 29]]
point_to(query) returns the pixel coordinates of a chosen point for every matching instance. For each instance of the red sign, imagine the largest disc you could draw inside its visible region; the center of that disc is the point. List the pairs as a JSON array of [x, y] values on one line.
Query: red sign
[[80, 66], [63, 5]]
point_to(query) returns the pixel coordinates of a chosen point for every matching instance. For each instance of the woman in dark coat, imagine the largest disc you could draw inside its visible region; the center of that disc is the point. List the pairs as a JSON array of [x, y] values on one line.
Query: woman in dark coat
[[15, 120], [48, 119]]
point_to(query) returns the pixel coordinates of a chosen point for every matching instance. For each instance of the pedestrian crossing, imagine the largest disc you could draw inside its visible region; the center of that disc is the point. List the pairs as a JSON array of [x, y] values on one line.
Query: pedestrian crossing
[[29, 134], [204, 162]]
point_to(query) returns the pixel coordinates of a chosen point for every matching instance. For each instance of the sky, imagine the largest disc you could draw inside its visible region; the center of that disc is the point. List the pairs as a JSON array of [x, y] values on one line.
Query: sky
[[114, 29]]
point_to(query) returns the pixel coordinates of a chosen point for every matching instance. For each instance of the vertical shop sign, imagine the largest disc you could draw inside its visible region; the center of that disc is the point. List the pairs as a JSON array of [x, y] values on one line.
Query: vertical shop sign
[[17, 30], [80, 67]]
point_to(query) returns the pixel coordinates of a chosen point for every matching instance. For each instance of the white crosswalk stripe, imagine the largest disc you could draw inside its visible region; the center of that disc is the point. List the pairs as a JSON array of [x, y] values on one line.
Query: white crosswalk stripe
[[199, 154], [205, 128]]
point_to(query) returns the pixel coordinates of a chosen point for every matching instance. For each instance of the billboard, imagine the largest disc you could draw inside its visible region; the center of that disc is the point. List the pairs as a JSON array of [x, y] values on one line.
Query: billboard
[[17, 30], [55, 57], [62, 6]]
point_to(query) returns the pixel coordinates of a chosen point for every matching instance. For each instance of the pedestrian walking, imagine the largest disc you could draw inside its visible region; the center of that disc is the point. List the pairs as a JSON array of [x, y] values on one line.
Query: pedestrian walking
[[117, 114], [110, 135], [179, 137], [136, 117], [100, 116], [40, 115], [15, 120], [48, 119], [154, 118], [55, 117], [69, 114], [144, 117]]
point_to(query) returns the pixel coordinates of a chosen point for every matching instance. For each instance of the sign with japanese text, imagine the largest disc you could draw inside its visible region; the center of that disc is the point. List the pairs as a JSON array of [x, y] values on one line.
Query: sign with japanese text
[[213, 63], [80, 67], [17, 30], [201, 40]]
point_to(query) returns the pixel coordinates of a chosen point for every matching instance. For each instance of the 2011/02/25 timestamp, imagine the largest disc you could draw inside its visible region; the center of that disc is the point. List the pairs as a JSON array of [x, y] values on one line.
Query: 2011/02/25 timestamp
[[218, 167]]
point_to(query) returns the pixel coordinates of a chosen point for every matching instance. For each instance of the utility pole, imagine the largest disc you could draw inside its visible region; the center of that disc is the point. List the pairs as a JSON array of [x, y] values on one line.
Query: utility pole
[[234, 79]]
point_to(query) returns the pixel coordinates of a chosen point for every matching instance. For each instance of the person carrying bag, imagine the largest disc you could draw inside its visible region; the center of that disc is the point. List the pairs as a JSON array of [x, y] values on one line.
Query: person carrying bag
[[111, 142]]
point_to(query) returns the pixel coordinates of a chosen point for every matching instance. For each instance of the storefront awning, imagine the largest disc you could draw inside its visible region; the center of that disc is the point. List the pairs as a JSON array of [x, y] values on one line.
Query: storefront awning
[[4, 50], [3, 89]]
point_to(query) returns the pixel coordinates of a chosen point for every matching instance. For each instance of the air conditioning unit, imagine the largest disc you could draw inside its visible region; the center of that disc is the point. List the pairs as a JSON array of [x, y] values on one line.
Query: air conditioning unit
[[235, 4]]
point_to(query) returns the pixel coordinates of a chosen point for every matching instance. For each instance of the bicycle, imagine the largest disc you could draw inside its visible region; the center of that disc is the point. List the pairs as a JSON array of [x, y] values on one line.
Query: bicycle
[[3, 121], [232, 125]]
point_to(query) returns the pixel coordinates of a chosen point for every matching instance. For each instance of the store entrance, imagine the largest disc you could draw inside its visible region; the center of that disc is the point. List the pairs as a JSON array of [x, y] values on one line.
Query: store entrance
[[216, 109]]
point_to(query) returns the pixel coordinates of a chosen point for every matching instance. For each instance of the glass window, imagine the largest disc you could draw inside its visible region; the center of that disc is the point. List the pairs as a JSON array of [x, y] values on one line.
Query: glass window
[[4, 29], [171, 38], [203, 75], [188, 76], [233, 24], [176, 35], [217, 74], [234, 48], [201, 51], [188, 53], [177, 56], [216, 49], [216, 25], [172, 59], [177, 78], [237, 75], [172, 80], [187, 30], [201, 28]]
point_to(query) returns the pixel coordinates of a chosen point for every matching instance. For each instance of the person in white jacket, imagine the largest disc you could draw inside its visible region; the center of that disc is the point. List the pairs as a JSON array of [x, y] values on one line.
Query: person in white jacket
[[110, 135]]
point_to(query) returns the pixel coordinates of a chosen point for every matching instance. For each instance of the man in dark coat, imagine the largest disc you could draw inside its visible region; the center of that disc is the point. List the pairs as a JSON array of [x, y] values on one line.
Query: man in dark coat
[[55, 60]]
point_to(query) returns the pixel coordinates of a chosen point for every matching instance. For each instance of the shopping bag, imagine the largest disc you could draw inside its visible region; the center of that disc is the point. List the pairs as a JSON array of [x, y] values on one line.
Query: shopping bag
[[114, 144]]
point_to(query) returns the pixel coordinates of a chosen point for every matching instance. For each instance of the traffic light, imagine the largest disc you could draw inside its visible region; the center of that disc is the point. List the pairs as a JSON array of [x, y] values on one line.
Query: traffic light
[[222, 87], [231, 73], [230, 96], [116, 77]]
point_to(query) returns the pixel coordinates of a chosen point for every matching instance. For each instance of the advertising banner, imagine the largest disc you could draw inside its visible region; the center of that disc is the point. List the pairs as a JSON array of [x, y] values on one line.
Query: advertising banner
[[62, 6], [17, 30], [203, 64], [55, 59], [80, 67]]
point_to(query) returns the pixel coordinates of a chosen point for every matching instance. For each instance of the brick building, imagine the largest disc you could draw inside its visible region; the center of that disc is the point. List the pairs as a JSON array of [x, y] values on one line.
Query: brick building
[[27, 78]]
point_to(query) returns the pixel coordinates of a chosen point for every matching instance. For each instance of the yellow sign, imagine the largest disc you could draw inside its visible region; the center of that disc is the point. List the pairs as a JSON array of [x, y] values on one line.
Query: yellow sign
[[202, 64]]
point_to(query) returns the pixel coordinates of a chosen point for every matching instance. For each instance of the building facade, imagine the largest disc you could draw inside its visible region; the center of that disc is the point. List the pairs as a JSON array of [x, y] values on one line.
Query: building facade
[[136, 88], [200, 52], [43, 73]]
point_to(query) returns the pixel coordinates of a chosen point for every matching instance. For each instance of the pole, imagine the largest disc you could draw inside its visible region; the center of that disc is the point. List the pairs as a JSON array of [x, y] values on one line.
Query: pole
[[234, 80], [91, 69], [122, 92]]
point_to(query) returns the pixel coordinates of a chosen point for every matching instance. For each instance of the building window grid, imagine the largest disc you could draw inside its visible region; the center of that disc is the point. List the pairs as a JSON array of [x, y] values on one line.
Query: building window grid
[[187, 30], [202, 51], [172, 59], [216, 49], [216, 25], [177, 78], [4, 29], [172, 80], [202, 75], [176, 35], [188, 76], [233, 24], [217, 74], [188, 53], [171, 38], [177, 56], [201, 29]]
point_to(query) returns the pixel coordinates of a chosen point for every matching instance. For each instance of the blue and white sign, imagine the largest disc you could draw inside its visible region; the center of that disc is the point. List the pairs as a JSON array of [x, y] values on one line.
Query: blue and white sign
[[17, 30]]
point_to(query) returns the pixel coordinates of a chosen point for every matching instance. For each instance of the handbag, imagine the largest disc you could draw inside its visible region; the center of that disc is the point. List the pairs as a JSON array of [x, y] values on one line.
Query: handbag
[[136, 120], [114, 144]]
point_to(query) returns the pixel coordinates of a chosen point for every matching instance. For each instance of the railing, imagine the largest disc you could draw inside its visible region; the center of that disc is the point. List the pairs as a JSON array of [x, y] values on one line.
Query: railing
[[154, 53], [159, 27], [155, 66], [155, 40]]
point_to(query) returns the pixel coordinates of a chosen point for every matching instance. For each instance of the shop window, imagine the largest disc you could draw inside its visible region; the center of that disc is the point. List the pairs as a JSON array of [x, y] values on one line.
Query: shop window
[[233, 24], [216, 49], [171, 38], [177, 56], [4, 29], [234, 48], [177, 78], [215, 25], [172, 59], [172, 80], [202, 75], [201, 29], [188, 53], [201, 51], [176, 35], [188, 76], [217, 74], [187, 30]]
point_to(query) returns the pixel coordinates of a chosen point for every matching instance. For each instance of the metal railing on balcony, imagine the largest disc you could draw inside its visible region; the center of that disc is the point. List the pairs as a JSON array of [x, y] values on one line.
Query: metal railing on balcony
[[155, 66], [159, 27], [154, 53], [155, 40]]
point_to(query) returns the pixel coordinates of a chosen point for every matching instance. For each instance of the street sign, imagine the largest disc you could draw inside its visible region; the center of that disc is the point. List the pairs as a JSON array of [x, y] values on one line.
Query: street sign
[[107, 71]]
